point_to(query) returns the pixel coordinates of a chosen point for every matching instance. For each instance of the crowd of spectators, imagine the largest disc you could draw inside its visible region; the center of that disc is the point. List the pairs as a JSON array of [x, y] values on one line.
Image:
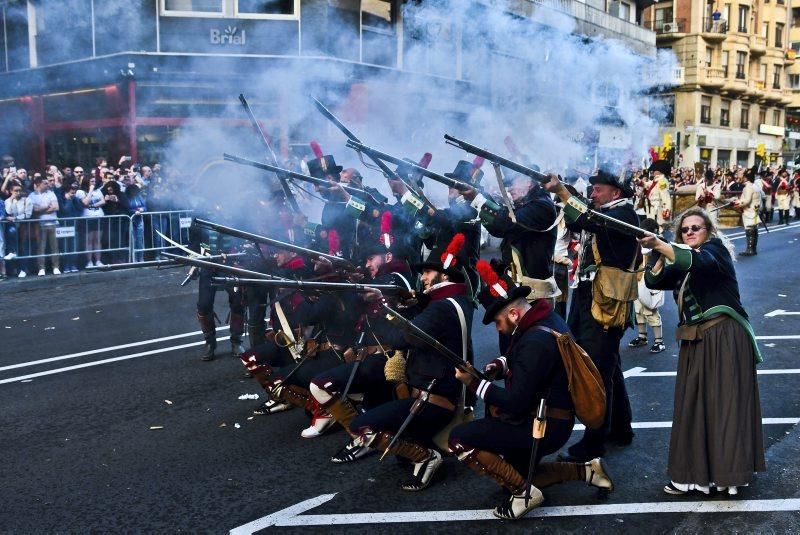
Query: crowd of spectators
[[32, 205]]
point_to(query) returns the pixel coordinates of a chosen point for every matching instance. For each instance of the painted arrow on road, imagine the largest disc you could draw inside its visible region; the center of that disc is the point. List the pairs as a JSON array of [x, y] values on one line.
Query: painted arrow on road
[[780, 312], [640, 372], [292, 516]]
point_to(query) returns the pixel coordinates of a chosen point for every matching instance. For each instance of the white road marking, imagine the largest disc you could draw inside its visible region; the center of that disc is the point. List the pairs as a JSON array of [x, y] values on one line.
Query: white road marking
[[739, 235], [640, 372], [291, 516], [283, 514], [105, 361], [104, 350], [668, 424], [780, 312], [780, 337]]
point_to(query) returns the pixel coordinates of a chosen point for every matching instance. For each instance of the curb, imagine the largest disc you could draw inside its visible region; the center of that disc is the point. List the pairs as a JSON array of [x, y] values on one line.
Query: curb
[[34, 282]]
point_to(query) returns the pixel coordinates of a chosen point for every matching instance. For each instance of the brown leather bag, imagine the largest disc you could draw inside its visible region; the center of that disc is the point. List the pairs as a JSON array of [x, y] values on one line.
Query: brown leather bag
[[583, 380]]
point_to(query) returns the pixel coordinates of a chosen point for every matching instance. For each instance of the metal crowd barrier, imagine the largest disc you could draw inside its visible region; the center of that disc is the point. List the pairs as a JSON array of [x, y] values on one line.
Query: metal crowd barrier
[[118, 238]]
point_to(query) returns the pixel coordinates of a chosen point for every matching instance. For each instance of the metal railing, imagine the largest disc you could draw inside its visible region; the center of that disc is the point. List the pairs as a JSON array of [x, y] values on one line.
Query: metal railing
[[714, 26], [70, 243]]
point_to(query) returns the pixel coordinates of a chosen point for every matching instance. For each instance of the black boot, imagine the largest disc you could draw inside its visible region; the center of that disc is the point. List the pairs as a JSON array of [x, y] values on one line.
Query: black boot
[[256, 335], [755, 241], [771, 215], [237, 329], [750, 237], [208, 326], [786, 217]]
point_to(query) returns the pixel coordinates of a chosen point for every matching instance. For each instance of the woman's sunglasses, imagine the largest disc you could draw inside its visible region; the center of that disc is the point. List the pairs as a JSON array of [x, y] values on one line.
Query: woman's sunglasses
[[693, 228]]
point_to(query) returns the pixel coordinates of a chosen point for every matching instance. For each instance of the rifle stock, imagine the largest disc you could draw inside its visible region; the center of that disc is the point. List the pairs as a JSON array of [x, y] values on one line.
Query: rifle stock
[[309, 285]]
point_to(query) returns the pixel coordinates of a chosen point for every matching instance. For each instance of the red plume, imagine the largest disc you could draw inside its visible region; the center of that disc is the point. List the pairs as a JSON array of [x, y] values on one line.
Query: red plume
[[426, 160], [317, 150], [386, 222], [453, 248], [334, 244], [653, 155], [477, 163], [491, 278]]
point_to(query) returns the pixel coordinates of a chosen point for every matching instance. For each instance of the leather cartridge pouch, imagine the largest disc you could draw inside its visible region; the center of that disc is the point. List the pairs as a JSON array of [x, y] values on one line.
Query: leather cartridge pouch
[[613, 290]]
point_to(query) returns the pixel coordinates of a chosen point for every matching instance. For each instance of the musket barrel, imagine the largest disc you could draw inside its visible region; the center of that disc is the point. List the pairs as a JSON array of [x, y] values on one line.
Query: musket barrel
[[334, 260], [309, 285], [291, 174], [220, 267], [492, 157], [374, 153]]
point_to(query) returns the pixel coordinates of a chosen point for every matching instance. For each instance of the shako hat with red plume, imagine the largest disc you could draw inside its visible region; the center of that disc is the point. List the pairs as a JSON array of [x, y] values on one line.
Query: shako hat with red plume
[[450, 259], [498, 289], [323, 165]]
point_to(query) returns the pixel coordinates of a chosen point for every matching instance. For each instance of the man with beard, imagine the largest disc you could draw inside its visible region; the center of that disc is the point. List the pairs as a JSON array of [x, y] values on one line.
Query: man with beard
[[499, 445], [448, 317], [602, 302], [385, 264]]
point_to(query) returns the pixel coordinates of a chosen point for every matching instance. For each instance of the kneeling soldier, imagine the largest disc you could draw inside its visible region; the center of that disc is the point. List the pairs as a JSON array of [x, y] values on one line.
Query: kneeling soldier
[[500, 444]]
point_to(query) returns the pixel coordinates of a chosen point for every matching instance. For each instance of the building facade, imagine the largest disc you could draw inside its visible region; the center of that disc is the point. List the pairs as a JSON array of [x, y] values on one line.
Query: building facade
[[792, 142], [731, 93], [81, 78]]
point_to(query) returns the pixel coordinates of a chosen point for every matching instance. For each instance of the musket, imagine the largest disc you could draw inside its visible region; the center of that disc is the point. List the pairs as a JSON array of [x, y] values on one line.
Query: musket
[[539, 426], [310, 285], [233, 270], [352, 137], [336, 262], [456, 360], [416, 407], [374, 153], [156, 263], [375, 195], [495, 158], [284, 182], [720, 207]]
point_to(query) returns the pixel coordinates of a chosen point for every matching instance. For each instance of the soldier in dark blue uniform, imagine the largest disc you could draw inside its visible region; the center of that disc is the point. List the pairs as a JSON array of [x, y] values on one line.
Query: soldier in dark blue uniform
[[500, 444], [448, 317]]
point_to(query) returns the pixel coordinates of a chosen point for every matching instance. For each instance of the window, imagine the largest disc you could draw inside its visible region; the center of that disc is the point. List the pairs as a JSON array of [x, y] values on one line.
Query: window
[[796, 17], [664, 15], [741, 61], [242, 9], [744, 15], [192, 7], [762, 75], [709, 55], [794, 81], [778, 35], [625, 11], [726, 12], [776, 77], [725, 56], [379, 41], [776, 117], [725, 113], [762, 116], [662, 110], [705, 110], [765, 31], [744, 122]]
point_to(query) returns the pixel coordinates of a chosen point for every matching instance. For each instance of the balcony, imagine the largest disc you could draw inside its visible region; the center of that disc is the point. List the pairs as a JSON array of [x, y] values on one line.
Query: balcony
[[667, 30], [786, 98], [758, 45], [714, 78], [714, 31], [736, 86]]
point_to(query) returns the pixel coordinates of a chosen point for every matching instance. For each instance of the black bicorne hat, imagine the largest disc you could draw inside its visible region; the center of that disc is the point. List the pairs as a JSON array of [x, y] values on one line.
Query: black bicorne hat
[[662, 166], [624, 183], [498, 289]]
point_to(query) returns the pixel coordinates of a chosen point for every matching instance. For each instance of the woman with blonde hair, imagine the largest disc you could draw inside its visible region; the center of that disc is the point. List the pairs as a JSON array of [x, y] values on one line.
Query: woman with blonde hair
[[716, 436]]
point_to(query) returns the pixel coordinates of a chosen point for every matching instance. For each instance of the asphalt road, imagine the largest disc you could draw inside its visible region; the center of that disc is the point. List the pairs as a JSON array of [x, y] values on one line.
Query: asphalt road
[[91, 364]]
